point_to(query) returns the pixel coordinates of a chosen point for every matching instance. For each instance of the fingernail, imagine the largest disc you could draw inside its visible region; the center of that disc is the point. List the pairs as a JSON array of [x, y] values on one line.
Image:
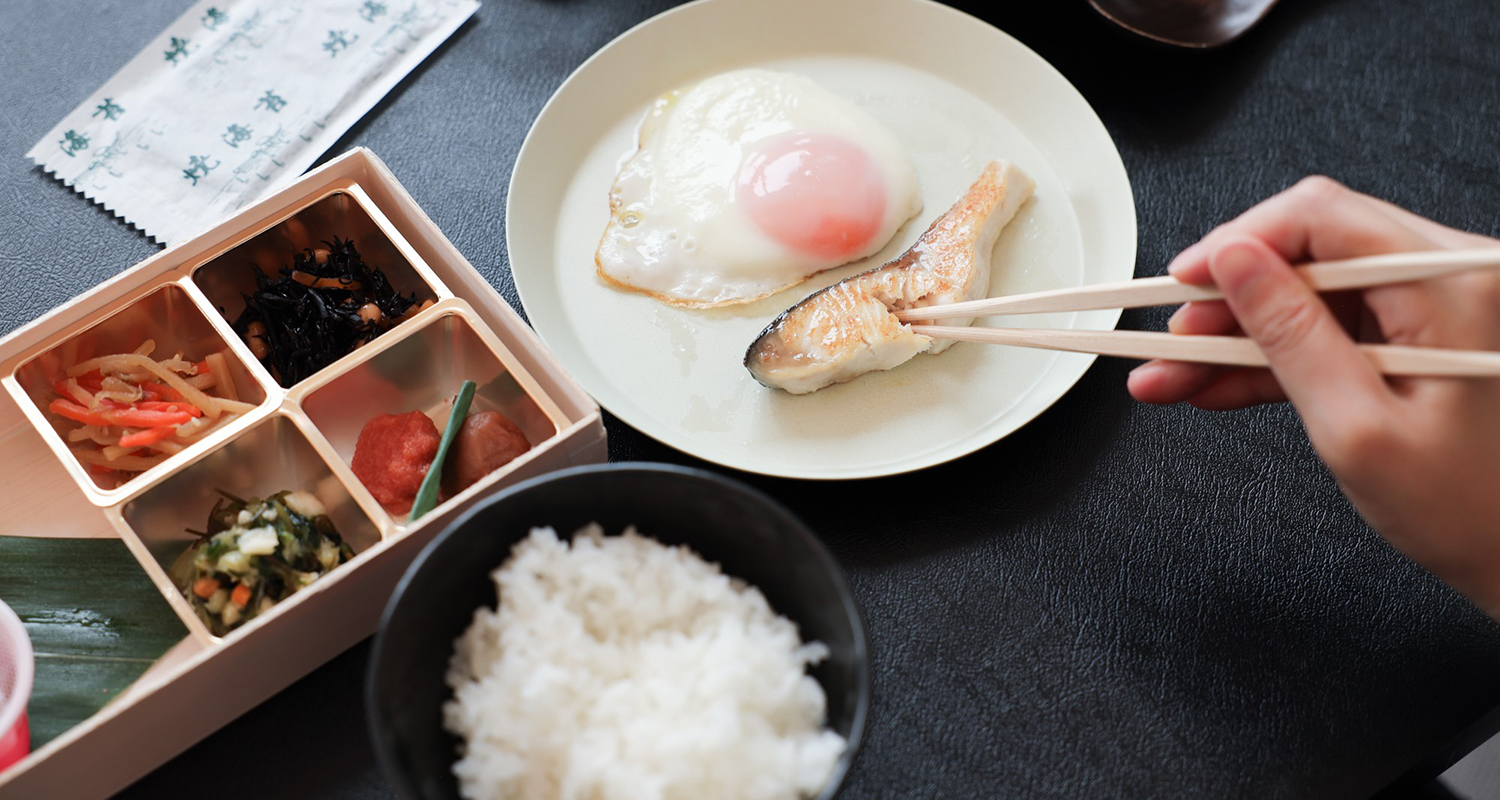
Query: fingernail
[[1145, 370], [1181, 261], [1235, 266], [1177, 316]]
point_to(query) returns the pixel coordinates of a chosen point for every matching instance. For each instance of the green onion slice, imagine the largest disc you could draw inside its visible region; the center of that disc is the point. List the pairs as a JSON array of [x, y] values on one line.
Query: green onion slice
[[427, 496]]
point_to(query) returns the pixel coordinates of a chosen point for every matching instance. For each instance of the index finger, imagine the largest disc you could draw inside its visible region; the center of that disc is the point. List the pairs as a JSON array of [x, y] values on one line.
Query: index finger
[[1321, 369], [1318, 219]]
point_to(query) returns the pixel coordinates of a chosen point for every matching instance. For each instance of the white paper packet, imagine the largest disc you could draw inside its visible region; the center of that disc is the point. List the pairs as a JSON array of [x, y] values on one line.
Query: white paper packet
[[234, 99]]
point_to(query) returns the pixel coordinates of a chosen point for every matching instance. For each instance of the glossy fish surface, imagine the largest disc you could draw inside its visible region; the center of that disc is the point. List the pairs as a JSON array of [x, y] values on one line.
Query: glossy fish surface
[[849, 328]]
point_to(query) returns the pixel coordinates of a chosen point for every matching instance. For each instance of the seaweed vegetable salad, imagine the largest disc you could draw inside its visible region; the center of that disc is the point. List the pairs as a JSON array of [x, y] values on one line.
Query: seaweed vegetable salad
[[256, 553], [322, 307]]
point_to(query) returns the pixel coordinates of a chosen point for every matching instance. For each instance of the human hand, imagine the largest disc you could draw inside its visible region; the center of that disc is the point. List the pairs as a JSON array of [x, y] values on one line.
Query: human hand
[[1419, 457]]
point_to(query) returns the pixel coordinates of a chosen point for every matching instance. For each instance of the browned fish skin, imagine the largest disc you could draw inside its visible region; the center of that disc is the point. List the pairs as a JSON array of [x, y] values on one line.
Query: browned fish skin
[[848, 329]]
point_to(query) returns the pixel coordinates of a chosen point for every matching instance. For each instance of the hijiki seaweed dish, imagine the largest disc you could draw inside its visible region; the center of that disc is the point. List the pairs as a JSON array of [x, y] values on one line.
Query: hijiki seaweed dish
[[328, 303]]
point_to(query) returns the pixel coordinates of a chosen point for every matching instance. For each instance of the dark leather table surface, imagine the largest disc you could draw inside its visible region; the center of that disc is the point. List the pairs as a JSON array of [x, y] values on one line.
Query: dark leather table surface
[[1115, 601]]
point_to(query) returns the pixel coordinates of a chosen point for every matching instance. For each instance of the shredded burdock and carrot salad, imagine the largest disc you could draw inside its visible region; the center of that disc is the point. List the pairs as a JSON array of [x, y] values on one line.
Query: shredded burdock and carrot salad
[[134, 411]]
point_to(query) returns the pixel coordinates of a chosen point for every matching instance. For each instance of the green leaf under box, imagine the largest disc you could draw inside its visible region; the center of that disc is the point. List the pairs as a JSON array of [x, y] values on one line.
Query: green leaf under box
[[96, 622]]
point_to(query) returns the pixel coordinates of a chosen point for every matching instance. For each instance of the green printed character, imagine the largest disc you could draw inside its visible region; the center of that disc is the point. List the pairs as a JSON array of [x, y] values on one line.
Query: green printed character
[[235, 135], [109, 108], [213, 18], [272, 101], [105, 157], [73, 142], [338, 41], [408, 18], [198, 167], [269, 147], [178, 51], [371, 10]]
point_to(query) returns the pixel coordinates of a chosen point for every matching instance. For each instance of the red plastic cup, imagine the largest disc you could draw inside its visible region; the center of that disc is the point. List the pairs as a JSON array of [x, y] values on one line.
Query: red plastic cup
[[16, 671]]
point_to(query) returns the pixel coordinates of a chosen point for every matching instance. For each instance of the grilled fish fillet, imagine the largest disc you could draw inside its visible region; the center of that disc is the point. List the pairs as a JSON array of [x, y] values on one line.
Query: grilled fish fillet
[[846, 330]]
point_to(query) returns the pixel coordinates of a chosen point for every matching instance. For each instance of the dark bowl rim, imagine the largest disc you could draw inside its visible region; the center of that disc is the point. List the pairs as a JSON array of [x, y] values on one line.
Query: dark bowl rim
[[384, 744]]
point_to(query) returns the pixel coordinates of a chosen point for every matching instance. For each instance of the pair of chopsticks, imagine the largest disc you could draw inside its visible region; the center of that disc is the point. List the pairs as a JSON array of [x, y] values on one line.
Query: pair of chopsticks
[[1324, 276]]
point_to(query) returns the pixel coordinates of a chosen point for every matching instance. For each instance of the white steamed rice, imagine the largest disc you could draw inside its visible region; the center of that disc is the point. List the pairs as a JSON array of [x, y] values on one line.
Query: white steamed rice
[[623, 669]]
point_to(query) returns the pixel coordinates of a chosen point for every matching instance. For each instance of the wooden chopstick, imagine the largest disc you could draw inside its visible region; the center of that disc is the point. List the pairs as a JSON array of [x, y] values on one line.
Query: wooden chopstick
[[1232, 350], [1323, 276]]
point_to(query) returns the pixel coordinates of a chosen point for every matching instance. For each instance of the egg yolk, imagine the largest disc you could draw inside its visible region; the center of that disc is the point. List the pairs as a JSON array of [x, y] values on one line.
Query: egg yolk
[[817, 194]]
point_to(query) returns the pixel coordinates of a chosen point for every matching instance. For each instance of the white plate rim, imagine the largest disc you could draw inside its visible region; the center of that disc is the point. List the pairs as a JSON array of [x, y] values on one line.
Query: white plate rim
[[1068, 372]]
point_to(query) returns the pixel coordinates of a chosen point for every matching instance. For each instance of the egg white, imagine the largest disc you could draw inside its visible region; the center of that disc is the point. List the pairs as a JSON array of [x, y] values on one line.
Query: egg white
[[676, 231]]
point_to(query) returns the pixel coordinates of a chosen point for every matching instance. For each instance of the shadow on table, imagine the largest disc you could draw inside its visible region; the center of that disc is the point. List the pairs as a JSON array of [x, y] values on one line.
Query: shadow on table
[[1420, 782], [357, 131], [310, 741], [1147, 93], [904, 517]]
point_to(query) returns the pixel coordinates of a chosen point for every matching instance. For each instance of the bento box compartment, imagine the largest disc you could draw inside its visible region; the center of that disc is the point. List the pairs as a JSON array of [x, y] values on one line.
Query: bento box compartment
[[271, 457], [423, 371], [341, 215], [165, 315]]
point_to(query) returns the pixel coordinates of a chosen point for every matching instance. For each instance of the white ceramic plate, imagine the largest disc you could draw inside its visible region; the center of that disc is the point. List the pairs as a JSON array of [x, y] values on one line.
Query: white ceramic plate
[[957, 92]]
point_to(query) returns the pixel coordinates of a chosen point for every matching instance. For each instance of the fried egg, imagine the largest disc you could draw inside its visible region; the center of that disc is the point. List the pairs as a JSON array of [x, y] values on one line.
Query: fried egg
[[748, 183]]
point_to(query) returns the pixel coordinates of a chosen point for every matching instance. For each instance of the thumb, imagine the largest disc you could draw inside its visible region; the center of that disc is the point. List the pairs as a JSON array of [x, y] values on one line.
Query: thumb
[[1321, 369]]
